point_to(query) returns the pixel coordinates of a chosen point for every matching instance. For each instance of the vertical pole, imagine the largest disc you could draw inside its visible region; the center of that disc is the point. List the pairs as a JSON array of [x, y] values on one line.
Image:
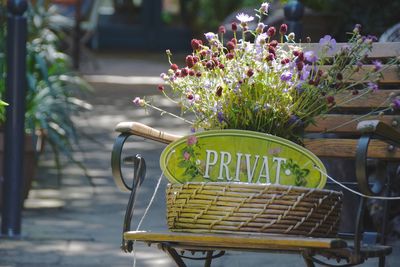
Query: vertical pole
[[151, 21], [77, 35], [15, 116], [294, 11]]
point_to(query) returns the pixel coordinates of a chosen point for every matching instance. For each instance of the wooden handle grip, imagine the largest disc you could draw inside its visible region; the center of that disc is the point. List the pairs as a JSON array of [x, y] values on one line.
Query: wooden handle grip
[[143, 130]]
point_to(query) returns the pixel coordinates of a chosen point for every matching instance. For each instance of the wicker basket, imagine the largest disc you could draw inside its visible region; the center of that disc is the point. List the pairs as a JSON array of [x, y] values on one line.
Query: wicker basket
[[241, 207]]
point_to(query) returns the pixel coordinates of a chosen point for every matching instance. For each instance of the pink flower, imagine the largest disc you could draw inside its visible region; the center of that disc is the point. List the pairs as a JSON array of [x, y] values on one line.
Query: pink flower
[[138, 101], [192, 140], [186, 155]]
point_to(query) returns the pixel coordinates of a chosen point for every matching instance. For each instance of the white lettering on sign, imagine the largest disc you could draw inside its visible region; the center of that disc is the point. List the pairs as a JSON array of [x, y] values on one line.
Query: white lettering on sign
[[209, 162], [251, 164], [225, 160], [278, 168], [250, 171], [238, 162], [265, 169]]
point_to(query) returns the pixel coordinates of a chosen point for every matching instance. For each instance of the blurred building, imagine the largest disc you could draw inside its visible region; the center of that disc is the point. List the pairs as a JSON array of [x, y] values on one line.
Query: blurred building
[[142, 25]]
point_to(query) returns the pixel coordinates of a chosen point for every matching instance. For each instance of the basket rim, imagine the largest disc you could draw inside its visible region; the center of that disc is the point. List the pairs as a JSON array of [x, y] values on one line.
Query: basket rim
[[253, 185]]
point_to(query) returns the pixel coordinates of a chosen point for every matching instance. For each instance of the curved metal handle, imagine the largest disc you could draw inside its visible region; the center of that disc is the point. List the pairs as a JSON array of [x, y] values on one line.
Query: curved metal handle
[[116, 163], [366, 187], [139, 174]]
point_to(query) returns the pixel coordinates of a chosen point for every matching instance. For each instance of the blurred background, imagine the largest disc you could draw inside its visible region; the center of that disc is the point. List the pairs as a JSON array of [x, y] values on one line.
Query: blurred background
[[162, 24]]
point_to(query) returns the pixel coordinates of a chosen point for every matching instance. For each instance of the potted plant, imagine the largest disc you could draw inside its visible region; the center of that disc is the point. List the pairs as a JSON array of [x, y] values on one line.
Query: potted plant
[[53, 92]]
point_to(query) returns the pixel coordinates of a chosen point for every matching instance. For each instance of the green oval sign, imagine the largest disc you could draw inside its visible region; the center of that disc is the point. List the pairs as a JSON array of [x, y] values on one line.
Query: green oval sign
[[241, 156]]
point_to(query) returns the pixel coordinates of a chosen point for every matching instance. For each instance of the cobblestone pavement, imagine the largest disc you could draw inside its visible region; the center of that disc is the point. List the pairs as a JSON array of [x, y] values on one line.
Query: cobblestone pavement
[[67, 222]]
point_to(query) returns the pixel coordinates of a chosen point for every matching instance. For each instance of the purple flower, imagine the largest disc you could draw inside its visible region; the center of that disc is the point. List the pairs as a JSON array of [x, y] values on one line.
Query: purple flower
[[138, 101], [220, 116], [377, 65], [328, 42], [373, 38], [372, 86], [310, 56], [286, 76], [295, 121], [209, 36], [305, 74], [396, 104]]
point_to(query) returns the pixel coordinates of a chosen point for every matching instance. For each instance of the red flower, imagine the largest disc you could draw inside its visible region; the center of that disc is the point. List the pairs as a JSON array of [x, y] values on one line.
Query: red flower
[[219, 91], [230, 45], [230, 56], [271, 31], [160, 87], [270, 57], [222, 29], [273, 43], [210, 64], [174, 67], [283, 29], [330, 99], [196, 44], [234, 26], [184, 72], [190, 61]]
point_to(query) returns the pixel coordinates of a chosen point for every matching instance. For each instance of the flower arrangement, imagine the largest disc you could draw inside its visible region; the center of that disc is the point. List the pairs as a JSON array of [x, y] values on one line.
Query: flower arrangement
[[259, 83]]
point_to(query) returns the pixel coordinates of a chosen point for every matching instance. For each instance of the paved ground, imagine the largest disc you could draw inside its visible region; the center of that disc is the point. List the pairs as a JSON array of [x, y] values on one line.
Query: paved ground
[[74, 224]]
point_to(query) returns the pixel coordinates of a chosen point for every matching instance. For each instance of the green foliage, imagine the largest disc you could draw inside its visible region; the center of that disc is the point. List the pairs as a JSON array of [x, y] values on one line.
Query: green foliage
[[53, 89], [298, 172]]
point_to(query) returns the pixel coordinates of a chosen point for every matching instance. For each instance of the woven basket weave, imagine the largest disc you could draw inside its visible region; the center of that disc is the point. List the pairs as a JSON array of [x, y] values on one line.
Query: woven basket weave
[[241, 207]]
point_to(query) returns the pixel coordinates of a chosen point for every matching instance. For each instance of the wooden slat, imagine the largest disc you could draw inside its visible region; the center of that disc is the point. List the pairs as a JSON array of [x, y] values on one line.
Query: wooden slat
[[346, 148], [348, 123], [379, 50], [390, 75], [379, 98], [244, 241]]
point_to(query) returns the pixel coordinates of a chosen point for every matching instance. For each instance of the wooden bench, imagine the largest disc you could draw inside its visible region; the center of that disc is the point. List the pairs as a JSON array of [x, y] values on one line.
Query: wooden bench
[[360, 138]]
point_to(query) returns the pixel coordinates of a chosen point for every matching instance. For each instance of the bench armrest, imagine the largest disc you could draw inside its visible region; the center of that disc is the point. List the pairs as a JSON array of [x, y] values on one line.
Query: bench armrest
[[388, 134], [381, 129], [142, 130]]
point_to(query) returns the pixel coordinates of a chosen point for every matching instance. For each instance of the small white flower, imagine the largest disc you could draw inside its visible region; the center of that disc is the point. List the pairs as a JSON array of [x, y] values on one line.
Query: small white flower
[[244, 18], [261, 39], [198, 162], [288, 172], [264, 7]]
